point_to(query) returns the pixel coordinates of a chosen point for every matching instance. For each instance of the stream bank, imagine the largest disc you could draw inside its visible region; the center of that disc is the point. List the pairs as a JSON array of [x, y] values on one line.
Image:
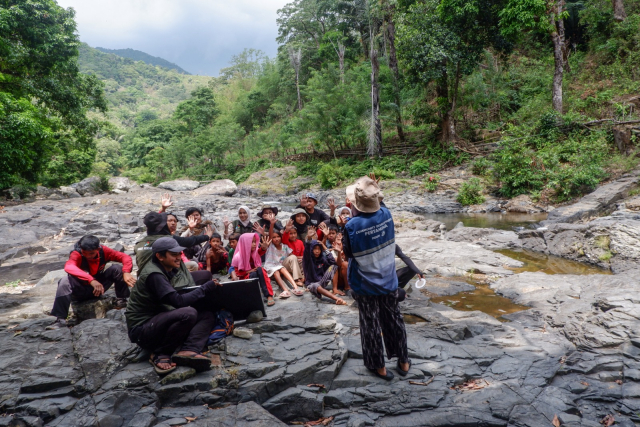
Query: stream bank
[[572, 354]]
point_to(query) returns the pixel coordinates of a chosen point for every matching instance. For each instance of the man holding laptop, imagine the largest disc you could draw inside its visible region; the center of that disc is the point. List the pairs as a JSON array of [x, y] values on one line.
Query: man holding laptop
[[161, 316]]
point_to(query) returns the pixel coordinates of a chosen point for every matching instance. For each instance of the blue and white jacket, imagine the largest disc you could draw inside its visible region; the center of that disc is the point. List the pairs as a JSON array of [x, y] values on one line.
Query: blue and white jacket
[[372, 244]]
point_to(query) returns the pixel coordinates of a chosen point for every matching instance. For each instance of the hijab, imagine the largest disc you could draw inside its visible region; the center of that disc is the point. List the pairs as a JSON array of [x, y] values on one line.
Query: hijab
[[248, 221], [243, 256], [339, 211]]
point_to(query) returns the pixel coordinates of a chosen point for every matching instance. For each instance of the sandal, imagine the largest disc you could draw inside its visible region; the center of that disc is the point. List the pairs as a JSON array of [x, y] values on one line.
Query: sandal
[[156, 360], [298, 292], [284, 295], [270, 301], [197, 361]]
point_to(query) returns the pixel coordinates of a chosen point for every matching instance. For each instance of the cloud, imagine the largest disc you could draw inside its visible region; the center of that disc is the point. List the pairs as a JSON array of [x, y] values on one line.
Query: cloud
[[201, 36]]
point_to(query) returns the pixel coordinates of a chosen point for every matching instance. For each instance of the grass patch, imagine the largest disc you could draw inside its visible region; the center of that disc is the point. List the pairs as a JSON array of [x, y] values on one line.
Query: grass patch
[[606, 256], [602, 242]]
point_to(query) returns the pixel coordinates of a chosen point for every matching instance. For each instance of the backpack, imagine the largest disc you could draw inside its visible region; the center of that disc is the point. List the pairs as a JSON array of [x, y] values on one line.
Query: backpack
[[223, 327]]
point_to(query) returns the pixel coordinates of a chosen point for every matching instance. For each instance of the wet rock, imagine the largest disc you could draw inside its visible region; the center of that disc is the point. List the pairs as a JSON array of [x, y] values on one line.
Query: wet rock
[[222, 187], [521, 204], [179, 185]]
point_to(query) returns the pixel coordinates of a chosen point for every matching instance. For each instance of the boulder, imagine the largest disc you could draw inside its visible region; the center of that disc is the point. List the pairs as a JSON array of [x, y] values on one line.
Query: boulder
[[243, 333], [121, 183], [44, 191], [87, 186], [69, 192], [179, 185], [93, 309], [522, 204], [11, 237], [271, 182], [295, 404], [221, 187]]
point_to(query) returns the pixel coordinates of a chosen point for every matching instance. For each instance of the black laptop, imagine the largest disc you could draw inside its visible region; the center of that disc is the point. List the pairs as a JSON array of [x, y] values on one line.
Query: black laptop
[[240, 298]]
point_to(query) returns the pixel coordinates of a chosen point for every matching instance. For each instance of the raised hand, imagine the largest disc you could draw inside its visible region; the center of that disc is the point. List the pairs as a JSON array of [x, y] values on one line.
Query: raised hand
[[192, 222], [226, 222], [332, 206], [323, 227], [311, 233], [270, 217], [265, 242], [289, 225], [208, 230], [165, 202], [337, 245], [258, 229]]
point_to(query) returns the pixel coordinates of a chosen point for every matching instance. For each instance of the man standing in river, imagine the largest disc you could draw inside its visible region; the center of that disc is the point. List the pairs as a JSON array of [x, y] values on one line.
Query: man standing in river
[[369, 243]]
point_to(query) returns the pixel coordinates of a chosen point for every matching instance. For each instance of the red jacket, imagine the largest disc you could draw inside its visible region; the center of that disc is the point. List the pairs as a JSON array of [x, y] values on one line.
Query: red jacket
[[297, 247], [74, 264]]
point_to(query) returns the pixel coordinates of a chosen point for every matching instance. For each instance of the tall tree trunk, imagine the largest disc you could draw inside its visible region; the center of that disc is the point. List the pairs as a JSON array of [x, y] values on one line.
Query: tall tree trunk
[[619, 14], [375, 133], [446, 125], [558, 39], [393, 64], [296, 61]]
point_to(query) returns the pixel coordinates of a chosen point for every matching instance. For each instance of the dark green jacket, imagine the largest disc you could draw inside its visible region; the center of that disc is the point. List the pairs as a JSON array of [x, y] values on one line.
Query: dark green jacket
[[142, 304]]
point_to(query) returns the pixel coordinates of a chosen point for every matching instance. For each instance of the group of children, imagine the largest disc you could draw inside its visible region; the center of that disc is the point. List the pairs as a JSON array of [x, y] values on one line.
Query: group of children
[[269, 251]]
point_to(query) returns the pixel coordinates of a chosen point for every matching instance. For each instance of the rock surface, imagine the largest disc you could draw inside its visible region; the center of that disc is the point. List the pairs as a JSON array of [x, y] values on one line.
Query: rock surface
[[221, 187], [573, 355], [179, 185]]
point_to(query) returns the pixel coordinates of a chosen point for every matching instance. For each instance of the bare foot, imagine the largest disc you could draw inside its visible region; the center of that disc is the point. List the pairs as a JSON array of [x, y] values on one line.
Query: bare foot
[[338, 292]]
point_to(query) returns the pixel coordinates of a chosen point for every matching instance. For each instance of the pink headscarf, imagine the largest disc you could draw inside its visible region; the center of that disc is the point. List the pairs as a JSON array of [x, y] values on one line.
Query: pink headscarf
[[242, 256]]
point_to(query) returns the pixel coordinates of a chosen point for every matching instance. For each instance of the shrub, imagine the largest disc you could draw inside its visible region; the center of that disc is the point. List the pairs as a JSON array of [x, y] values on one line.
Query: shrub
[[480, 166], [383, 173], [431, 183], [471, 192], [103, 185], [420, 167], [330, 176]]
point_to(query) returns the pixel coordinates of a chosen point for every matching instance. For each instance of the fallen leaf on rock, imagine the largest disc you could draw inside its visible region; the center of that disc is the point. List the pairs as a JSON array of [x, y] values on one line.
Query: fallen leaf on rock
[[58, 356], [316, 385], [608, 421], [584, 383], [12, 327], [619, 382], [471, 385], [556, 421], [189, 419], [320, 422]]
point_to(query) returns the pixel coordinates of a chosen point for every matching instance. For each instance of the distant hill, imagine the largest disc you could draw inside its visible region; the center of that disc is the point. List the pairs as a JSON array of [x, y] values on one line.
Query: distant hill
[[137, 90], [137, 55]]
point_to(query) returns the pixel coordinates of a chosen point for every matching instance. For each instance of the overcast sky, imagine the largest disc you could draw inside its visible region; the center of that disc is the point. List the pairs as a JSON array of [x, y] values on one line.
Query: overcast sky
[[200, 36]]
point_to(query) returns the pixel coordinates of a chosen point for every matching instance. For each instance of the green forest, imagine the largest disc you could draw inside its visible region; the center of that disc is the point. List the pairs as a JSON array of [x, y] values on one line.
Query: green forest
[[528, 93]]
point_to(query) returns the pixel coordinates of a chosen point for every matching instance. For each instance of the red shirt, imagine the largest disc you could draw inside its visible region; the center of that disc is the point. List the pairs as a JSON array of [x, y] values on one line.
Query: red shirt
[[74, 264], [297, 247]]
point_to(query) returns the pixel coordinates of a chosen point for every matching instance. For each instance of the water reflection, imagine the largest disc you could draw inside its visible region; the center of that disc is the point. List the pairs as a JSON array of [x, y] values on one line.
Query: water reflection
[[549, 264], [500, 221]]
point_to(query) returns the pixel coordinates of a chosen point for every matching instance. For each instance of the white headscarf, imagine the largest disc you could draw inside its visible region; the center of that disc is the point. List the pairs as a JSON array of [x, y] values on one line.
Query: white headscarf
[[248, 221], [339, 211]]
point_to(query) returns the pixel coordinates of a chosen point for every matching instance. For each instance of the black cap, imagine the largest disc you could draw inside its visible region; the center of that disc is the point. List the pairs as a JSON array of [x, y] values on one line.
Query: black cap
[[166, 244], [155, 222]]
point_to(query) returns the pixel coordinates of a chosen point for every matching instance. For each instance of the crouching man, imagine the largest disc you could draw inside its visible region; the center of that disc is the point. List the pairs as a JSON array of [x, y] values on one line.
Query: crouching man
[[88, 278], [161, 316]]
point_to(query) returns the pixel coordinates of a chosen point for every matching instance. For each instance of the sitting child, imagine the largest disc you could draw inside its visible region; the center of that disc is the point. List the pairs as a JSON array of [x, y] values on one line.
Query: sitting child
[[319, 267], [300, 219], [247, 264], [333, 240], [293, 263], [276, 254], [231, 247], [216, 257]]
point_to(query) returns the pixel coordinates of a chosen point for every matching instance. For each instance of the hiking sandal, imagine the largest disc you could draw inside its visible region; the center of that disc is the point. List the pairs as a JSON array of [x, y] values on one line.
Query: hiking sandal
[[197, 361], [156, 360]]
